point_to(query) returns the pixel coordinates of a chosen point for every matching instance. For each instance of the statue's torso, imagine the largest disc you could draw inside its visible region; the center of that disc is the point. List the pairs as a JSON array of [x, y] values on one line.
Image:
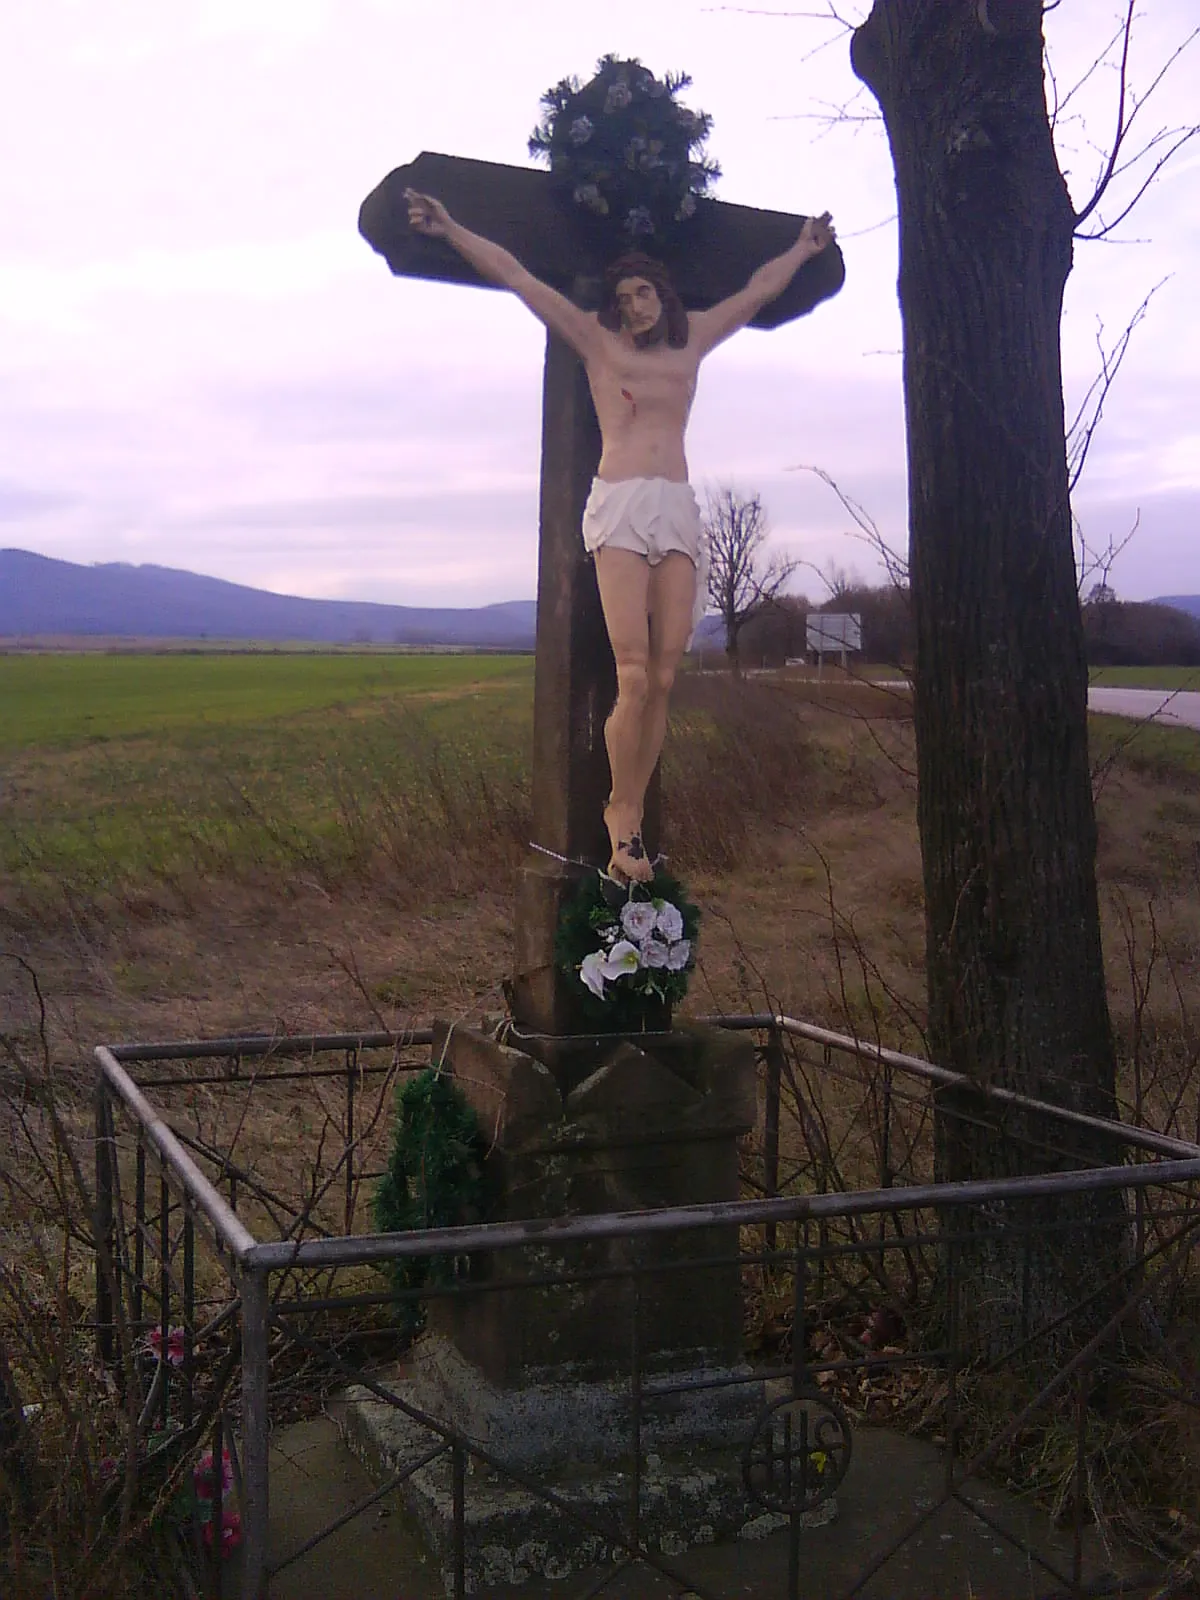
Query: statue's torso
[[642, 400]]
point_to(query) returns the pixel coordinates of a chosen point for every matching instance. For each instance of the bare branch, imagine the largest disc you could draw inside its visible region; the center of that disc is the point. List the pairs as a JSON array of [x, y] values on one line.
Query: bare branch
[[832, 115], [1096, 566], [1122, 127], [1184, 134], [1129, 105], [894, 564], [829, 14], [1085, 77], [1091, 408]]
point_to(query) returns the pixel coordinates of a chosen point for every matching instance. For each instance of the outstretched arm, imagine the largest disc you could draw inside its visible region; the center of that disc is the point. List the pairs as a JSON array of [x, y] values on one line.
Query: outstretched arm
[[709, 327], [429, 216]]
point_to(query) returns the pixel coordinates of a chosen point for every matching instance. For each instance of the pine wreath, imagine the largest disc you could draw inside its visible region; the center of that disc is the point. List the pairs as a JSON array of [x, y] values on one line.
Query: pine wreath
[[627, 952], [624, 153], [434, 1179]]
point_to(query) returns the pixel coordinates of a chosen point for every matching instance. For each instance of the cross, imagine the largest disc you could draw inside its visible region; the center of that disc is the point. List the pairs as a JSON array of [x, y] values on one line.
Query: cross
[[574, 678]]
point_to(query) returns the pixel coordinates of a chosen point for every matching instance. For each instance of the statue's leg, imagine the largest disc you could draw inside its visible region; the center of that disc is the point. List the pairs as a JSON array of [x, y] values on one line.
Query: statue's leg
[[672, 596], [624, 578]]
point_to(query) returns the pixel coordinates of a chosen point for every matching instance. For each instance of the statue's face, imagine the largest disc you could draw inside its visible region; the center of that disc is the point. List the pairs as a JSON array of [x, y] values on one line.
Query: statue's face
[[638, 306]]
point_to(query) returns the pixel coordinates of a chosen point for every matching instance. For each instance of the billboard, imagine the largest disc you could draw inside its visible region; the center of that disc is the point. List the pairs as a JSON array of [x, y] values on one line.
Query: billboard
[[833, 632]]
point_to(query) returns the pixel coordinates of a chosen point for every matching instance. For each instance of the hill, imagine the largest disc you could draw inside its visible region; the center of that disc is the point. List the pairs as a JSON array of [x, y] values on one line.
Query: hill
[[1182, 602], [40, 596]]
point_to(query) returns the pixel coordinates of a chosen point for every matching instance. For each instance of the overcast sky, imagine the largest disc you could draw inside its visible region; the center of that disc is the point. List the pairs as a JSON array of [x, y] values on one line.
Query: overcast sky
[[203, 365]]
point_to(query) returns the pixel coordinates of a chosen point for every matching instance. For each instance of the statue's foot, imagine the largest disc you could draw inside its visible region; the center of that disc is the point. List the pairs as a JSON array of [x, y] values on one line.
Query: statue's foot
[[629, 862]]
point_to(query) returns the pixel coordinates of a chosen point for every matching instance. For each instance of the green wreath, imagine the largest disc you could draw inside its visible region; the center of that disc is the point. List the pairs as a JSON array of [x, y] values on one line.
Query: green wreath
[[628, 953], [434, 1179], [624, 153]]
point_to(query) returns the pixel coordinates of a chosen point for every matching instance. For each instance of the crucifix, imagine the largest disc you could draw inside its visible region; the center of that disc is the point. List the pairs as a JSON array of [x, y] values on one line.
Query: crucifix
[[575, 681]]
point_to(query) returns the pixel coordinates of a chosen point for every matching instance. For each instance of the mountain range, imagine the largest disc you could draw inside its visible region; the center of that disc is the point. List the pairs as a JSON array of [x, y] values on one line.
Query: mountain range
[[43, 597], [40, 596]]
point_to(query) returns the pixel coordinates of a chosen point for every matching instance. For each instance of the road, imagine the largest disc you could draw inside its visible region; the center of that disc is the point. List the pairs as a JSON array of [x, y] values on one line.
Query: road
[[1180, 707]]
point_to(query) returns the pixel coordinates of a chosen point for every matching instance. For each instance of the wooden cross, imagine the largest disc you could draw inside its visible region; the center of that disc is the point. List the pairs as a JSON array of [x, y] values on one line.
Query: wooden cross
[[574, 677]]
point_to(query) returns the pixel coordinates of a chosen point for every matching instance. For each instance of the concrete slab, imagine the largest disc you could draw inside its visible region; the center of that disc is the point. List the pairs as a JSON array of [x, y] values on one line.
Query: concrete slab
[[378, 1556]]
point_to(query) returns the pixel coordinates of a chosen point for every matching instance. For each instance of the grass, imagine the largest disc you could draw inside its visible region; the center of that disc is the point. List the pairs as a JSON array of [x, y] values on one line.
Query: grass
[[1186, 678], [317, 792], [1162, 752], [120, 771], [62, 700]]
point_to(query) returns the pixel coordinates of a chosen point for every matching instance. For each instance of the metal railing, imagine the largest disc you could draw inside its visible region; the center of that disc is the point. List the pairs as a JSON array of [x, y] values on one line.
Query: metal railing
[[279, 1308]]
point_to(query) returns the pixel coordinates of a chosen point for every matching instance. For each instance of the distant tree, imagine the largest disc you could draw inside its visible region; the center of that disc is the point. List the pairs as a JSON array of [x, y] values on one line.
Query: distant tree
[[887, 624], [1120, 633], [778, 633], [743, 579]]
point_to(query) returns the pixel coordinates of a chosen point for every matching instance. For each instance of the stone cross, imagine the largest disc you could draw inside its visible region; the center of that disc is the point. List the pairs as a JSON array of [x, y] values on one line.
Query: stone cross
[[574, 677]]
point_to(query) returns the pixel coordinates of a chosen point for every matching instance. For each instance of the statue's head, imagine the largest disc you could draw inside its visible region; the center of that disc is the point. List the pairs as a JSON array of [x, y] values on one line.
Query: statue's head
[[640, 297]]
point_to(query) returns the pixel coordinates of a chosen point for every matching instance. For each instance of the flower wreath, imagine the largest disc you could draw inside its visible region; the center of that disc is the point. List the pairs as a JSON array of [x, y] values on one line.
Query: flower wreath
[[627, 950], [434, 1179], [623, 149]]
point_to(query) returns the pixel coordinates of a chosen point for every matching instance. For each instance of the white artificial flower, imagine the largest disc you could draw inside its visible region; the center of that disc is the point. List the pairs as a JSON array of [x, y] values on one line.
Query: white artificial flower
[[608, 936], [622, 958], [591, 971], [638, 918], [669, 921], [654, 953], [679, 955]]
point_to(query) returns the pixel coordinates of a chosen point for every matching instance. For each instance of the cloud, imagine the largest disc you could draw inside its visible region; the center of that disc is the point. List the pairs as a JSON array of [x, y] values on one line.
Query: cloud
[[18, 501], [201, 363], [1163, 555]]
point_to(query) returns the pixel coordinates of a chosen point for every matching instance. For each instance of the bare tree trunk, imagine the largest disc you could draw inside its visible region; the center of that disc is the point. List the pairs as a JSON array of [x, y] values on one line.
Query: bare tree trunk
[[733, 654], [1008, 835]]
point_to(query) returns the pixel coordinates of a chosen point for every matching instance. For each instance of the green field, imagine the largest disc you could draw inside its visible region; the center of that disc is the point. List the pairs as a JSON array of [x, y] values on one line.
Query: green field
[[118, 770], [1145, 677], [121, 771], [67, 699]]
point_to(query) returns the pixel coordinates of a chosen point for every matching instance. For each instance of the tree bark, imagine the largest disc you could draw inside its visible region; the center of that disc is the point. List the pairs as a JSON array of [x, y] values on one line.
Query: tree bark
[[1008, 835]]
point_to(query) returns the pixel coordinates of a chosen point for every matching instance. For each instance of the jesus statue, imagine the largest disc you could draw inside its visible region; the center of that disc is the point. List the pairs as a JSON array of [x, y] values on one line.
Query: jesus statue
[[642, 352]]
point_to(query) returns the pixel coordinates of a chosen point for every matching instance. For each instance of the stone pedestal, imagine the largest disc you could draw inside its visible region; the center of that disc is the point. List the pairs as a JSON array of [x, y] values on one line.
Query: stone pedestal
[[610, 1126], [541, 1378]]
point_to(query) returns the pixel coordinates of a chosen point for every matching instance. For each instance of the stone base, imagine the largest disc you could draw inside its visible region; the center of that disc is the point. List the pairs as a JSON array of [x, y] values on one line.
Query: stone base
[[533, 1367], [548, 1425], [688, 1496]]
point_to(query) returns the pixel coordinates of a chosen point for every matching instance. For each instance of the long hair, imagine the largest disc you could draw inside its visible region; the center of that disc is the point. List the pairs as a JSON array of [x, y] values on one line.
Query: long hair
[[636, 265]]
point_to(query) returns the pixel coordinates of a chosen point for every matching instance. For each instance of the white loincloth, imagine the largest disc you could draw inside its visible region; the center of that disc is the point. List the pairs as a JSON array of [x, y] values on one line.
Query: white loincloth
[[650, 516]]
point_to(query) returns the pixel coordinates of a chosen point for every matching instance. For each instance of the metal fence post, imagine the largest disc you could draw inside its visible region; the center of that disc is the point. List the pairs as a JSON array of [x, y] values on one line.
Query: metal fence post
[[1080, 1490], [255, 1434], [351, 1072], [164, 1291], [799, 1381], [458, 1468], [106, 1330], [773, 1056]]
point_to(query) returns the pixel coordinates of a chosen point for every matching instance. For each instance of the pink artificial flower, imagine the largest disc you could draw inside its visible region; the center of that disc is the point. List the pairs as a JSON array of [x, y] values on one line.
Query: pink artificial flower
[[175, 1345], [231, 1533], [202, 1476]]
